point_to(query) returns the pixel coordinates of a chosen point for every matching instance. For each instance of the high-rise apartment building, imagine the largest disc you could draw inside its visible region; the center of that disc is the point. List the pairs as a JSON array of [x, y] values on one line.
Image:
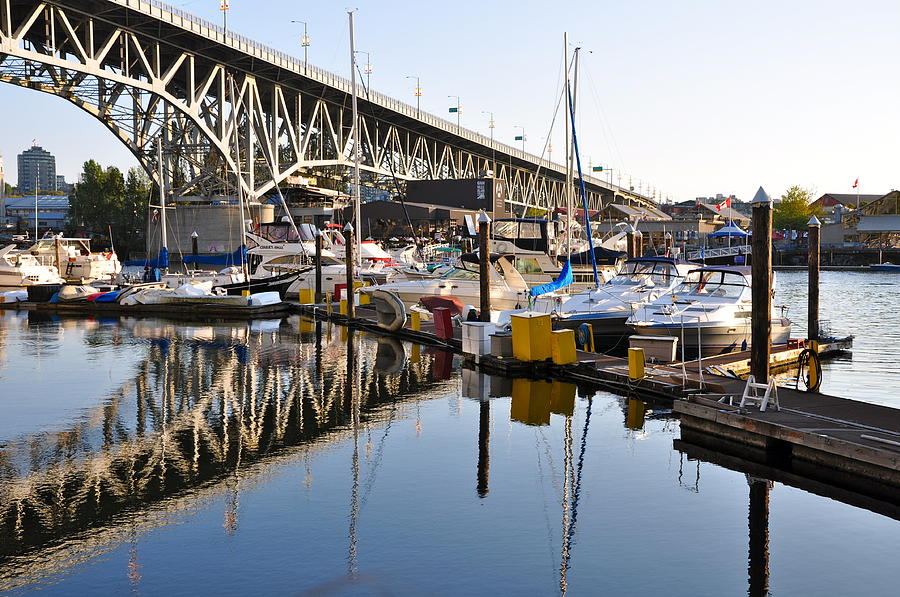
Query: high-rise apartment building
[[37, 166]]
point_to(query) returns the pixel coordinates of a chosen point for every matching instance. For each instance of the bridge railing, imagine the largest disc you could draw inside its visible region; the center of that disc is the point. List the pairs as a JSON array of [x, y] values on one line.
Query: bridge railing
[[191, 22]]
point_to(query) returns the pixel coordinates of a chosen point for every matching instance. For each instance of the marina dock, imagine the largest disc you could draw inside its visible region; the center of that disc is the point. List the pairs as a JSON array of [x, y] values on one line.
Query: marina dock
[[851, 445]]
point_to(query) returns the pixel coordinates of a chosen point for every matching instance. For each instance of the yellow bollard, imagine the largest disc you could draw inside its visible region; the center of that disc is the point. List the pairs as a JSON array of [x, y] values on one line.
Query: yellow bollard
[[245, 293], [531, 336], [635, 364], [328, 303], [343, 306], [562, 347], [306, 296], [415, 321]]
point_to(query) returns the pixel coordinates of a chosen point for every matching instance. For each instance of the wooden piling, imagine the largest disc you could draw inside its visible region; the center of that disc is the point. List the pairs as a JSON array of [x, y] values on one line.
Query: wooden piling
[[348, 239], [758, 548], [630, 245], [484, 264], [195, 242], [814, 251], [761, 316], [668, 244], [59, 267], [318, 297]]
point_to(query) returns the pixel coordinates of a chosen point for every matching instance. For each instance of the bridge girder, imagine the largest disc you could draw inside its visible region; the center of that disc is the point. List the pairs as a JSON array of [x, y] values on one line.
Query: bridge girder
[[226, 118]]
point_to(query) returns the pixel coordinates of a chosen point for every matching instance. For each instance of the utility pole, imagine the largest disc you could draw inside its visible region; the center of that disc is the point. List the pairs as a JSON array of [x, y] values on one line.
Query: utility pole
[[521, 137], [223, 6]]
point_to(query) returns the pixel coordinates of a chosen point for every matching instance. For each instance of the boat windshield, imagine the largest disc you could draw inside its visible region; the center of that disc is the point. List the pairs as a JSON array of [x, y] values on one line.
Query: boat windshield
[[712, 283], [460, 274], [652, 274]]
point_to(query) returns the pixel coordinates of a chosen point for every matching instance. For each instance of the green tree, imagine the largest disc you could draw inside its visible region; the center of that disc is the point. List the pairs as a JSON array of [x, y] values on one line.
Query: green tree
[[795, 209], [108, 208]]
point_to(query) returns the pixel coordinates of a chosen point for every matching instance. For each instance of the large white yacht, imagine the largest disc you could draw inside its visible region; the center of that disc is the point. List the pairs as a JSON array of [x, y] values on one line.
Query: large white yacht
[[710, 312]]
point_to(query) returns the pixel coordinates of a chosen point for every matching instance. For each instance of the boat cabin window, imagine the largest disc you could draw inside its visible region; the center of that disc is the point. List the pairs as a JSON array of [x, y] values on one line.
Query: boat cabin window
[[276, 232], [663, 274], [713, 283], [528, 265], [460, 274], [633, 273]]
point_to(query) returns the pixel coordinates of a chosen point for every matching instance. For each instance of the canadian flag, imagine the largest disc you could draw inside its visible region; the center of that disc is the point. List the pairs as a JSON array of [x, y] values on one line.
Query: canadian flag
[[726, 203], [856, 182]]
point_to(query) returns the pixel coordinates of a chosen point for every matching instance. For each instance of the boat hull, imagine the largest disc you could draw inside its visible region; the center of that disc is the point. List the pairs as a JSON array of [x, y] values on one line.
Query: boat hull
[[712, 338]]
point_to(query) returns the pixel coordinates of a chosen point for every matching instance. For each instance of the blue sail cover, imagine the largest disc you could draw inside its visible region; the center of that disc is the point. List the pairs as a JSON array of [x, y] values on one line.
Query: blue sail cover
[[161, 261], [237, 258], [565, 278]]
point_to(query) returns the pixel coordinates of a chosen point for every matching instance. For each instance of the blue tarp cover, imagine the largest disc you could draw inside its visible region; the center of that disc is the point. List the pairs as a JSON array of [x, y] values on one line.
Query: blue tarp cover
[[565, 278]]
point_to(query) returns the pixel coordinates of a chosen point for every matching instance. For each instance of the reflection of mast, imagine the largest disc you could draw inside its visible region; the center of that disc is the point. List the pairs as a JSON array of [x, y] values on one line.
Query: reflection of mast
[[352, 565], [758, 520], [571, 495], [484, 448]]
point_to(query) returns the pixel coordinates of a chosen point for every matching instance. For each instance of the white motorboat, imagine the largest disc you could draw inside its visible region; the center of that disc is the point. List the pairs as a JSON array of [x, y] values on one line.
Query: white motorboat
[[508, 288], [710, 312], [74, 259], [606, 308], [18, 269]]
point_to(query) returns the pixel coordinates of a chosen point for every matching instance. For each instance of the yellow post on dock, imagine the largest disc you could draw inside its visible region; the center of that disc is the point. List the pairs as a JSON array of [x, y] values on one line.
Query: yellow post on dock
[[363, 298], [415, 321], [328, 303], [562, 347], [343, 306], [635, 364], [306, 296], [531, 336]]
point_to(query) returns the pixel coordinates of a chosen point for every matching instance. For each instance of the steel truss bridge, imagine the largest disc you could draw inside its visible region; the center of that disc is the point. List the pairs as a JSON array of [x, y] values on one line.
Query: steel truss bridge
[[227, 110]]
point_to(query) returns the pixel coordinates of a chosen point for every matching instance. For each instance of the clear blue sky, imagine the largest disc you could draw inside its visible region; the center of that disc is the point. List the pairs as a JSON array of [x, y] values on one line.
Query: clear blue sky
[[693, 98]]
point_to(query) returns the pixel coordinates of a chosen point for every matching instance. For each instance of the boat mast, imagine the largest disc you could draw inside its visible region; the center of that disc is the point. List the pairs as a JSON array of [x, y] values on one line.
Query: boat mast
[[354, 130], [164, 239], [237, 172], [568, 185]]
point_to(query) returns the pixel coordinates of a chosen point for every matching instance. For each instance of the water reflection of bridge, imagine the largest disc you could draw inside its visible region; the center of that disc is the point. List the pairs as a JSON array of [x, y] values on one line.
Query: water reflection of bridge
[[205, 407]]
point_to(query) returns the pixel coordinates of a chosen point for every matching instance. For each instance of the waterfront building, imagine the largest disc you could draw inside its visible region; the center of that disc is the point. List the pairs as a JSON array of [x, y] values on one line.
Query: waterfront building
[[876, 224], [52, 213], [36, 165], [832, 205]]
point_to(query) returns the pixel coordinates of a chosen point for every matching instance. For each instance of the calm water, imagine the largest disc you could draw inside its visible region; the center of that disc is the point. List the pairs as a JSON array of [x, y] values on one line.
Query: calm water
[[149, 457]]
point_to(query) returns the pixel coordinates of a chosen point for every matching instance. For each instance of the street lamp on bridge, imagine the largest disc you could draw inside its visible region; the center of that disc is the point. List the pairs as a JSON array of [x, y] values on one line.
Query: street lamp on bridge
[[457, 110], [418, 92], [493, 151], [367, 69], [521, 137], [304, 42]]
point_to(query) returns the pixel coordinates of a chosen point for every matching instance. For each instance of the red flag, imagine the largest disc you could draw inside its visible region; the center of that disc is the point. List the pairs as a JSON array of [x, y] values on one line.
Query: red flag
[[856, 182], [726, 203]]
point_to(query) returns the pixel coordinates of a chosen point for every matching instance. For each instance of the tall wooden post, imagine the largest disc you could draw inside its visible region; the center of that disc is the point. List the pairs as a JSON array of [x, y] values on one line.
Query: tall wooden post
[[484, 264], [761, 316], [348, 235], [318, 298], [815, 247], [667, 244], [195, 242], [58, 243], [630, 237]]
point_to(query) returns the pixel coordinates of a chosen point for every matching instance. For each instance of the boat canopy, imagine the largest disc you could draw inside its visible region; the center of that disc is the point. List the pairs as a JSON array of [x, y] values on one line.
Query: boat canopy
[[731, 229], [161, 261], [602, 255], [237, 258]]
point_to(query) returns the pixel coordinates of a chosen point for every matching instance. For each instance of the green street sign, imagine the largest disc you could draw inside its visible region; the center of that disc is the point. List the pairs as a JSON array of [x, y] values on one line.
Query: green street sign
[[597, 168]]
